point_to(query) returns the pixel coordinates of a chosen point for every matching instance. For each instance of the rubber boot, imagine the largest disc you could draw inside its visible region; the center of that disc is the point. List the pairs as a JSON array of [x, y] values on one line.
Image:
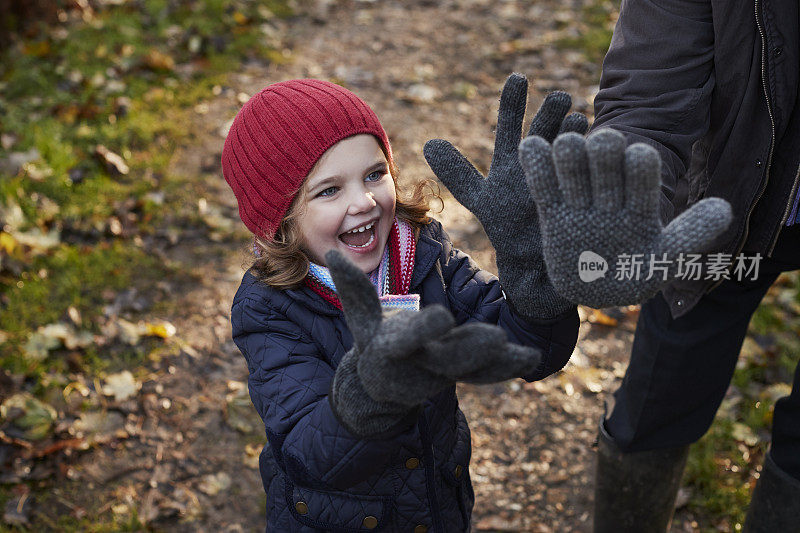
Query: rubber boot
[[635, 492], [775, 505]]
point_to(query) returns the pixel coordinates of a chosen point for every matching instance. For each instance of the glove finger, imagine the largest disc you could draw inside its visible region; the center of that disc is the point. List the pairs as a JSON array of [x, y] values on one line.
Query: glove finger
[[572, 170], [576, 122], [536, 158], [606, 151], [404, 333], [694, 230], [550, 115], [360, 303], [642, 179], [477, 353], [511, 361], [509, 118], [454, 171], [461, 350]]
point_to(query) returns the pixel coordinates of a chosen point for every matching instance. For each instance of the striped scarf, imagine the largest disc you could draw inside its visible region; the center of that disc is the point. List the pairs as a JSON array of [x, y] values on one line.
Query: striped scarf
[[392, 278]]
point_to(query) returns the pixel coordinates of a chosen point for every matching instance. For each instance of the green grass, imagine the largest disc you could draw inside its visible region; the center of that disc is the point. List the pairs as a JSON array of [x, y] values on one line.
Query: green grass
[[54, 515], [721, 466], [127, 79], [595, 30]]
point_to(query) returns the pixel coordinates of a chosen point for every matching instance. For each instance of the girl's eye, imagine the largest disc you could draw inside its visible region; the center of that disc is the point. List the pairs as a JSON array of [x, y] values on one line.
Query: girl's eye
[[330, 191], [376, 175]]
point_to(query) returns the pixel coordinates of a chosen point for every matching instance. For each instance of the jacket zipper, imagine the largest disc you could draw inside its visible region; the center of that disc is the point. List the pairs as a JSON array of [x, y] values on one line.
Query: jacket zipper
[[771, 142], [429, 462]]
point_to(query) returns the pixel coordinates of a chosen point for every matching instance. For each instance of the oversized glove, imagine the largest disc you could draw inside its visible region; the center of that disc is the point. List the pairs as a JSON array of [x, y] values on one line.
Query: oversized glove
[[501, 201], [596, 197], [400, 359]]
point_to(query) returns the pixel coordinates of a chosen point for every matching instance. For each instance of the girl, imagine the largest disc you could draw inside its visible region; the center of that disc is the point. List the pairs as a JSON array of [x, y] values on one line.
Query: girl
[[363, 425]]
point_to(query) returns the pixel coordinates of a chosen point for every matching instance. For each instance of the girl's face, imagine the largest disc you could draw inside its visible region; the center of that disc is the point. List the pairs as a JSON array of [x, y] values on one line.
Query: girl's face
[[349, 203]]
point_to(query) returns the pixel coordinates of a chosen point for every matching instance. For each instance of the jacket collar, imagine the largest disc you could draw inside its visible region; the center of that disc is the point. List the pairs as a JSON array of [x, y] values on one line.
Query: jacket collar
[[428, 251]]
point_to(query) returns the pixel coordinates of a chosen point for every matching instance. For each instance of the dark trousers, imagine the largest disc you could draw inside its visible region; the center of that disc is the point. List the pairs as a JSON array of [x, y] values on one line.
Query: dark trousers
[[680, 368]]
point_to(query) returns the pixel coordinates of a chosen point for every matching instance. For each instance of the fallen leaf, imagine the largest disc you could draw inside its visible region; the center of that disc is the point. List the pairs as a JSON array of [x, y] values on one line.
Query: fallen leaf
[[158, 60], [498, 524], [121, 386], [127, 332], [52, 336], [32, 418], [599, 317], [213, 484], [40, 343], [113, 162], [38, 240], [164, 329], [99, 426], [11, 215], [419, 93]]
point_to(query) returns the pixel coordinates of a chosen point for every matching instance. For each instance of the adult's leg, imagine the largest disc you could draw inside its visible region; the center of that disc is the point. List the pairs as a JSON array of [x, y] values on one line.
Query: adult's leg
[[680, 368], [678, 374]]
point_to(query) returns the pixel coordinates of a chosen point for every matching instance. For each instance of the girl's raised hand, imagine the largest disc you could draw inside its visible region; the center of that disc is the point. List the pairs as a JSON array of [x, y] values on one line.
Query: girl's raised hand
[[401, 358]]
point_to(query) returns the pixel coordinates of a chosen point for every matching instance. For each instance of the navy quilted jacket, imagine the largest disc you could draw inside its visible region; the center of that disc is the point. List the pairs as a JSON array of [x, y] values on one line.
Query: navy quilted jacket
[[317, 476]]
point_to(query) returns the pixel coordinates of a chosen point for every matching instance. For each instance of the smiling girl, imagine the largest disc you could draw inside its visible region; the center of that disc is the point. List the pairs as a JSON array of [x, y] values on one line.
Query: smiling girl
[[363, 425]]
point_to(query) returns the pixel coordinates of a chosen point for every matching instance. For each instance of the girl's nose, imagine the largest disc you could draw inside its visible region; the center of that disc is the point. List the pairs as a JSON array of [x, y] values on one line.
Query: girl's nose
[[362, 202]]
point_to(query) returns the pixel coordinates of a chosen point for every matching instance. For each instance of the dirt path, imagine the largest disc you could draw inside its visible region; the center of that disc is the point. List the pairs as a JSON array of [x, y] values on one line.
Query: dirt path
[[429, 69]]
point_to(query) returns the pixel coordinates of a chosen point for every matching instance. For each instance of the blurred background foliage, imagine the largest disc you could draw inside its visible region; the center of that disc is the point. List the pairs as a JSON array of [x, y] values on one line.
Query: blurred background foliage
[[95, 97]]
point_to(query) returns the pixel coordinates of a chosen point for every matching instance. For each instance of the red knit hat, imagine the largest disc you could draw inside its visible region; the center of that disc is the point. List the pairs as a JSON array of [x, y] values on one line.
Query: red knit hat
[[278, 136]]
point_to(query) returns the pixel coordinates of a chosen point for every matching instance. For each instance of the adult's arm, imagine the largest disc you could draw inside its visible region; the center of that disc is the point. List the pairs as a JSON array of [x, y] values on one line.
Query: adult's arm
[[657, 81]]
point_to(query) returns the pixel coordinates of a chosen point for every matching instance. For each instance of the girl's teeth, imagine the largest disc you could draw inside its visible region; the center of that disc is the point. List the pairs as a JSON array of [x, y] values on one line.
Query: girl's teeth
[[372, 238], [362, 228]]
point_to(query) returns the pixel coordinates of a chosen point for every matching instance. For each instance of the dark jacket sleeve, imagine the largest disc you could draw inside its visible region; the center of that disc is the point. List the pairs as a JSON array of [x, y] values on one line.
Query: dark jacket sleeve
[[475, 295], [657, 81], [289, 383]]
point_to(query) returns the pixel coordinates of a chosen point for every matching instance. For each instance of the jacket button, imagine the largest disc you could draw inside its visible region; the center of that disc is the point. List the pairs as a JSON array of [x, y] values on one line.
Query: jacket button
[[758, 163], [420, 529], [458, 471], [370, 522], [679, 303], [301, 507], [412, 463]]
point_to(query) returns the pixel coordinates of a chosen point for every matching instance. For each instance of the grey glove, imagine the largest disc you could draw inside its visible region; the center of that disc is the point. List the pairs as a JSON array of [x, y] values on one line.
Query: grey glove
[[400, 359], [595, 195], [501, 201]]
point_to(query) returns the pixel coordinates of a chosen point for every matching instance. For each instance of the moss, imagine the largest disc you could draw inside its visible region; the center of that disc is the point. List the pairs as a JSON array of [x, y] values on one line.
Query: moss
[[595, 29], [77, 277], [718, 476]]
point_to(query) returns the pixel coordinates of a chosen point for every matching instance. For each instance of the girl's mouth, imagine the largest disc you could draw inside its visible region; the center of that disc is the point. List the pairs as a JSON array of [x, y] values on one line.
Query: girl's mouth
[[360, 237]]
